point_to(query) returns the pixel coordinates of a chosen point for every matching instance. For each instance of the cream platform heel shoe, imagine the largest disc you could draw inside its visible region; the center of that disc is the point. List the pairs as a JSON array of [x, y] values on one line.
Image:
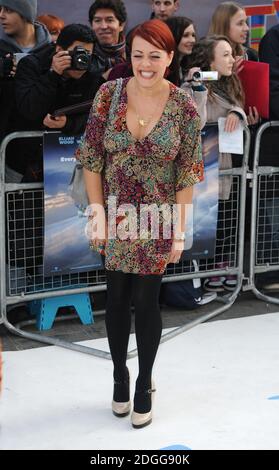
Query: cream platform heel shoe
[[140, 420], [121, 409], [121, 392]]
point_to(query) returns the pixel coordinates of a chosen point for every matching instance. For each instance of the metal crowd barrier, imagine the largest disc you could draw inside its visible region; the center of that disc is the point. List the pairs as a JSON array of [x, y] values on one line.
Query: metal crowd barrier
[[22, 279], [264, 239]]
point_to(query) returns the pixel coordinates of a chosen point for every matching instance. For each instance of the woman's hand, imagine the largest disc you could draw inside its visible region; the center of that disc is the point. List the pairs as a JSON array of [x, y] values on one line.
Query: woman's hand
[[96, 228], [253, 116], [176, 251], [232, 122]]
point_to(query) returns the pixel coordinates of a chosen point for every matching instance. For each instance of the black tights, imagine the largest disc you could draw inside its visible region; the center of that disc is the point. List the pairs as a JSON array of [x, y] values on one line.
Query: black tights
[[144, 291]]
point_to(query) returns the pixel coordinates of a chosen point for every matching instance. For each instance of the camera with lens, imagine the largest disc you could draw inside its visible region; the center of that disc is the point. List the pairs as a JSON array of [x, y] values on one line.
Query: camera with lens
[[81, 58], [200, 76]]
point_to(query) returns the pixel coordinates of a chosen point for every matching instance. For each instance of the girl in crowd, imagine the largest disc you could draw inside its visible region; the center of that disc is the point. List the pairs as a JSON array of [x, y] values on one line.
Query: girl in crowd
[[229, 19], [53, 23], [184, 33], [141, 146], [224, 98]]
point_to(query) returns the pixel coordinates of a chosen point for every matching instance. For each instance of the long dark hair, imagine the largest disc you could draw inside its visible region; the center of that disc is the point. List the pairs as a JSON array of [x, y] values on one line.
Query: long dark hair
[[228, 87]]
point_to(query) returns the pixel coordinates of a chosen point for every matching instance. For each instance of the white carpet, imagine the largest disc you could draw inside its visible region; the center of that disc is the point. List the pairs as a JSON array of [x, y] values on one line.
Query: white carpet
[[217, 388]]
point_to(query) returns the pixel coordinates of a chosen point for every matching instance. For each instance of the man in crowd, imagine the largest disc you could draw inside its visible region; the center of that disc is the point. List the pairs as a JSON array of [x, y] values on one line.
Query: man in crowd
[[107, 19], [56, 77], [164, 9], [269, 53], [20, 35]]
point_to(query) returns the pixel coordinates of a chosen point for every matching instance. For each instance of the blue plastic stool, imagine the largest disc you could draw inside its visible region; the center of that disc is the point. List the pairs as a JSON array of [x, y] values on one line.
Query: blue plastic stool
[[46, 309]]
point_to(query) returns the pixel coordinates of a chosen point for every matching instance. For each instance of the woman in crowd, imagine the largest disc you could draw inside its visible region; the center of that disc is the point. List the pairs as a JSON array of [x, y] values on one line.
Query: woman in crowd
[[229, 19], [184, 33], [141, 146], [224, 98]]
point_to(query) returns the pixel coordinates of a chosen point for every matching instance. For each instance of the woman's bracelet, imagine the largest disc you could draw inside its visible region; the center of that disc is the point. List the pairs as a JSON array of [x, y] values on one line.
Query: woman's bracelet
[[92, 215], [179, 237]]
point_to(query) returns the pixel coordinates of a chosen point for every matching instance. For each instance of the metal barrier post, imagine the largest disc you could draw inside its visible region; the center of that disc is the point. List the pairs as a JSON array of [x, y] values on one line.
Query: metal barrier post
[[260, 172], [6, 300]]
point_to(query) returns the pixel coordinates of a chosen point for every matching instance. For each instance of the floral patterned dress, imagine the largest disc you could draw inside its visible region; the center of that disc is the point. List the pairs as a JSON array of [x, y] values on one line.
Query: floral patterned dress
[[142, 172]]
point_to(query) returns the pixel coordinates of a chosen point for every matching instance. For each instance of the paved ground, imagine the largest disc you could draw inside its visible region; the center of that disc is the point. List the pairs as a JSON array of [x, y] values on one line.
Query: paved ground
[[73, 330], [216, 388]]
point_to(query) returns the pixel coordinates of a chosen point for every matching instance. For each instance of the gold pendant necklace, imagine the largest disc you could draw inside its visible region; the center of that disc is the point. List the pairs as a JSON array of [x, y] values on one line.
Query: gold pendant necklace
[[142, 122]]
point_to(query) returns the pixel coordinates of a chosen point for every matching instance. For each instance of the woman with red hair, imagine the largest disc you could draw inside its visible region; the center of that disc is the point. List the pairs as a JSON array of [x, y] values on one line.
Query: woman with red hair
[[53, 23], [142, 147]]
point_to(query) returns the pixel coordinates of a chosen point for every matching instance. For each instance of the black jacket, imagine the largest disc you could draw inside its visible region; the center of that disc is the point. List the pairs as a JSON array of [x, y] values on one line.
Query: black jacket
[[269, 53], [40, 91], [251, 54], [7, 95]]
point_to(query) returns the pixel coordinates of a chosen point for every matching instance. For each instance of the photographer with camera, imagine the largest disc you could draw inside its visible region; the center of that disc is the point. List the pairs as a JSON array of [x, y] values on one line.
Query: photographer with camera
[[59, 76]]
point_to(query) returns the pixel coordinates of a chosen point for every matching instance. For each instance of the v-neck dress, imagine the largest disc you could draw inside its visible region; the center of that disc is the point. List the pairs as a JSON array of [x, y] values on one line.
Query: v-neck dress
[[142, 172]]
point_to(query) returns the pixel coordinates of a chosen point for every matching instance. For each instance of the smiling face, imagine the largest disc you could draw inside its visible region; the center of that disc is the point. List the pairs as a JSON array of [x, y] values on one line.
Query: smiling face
[[106, 27], [164, 9], [223, 59], [187, 41], [238, 31], [149, 62]]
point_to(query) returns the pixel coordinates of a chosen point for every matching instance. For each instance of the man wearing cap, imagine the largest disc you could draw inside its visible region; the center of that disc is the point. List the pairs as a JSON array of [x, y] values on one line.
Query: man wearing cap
[[20, 35]]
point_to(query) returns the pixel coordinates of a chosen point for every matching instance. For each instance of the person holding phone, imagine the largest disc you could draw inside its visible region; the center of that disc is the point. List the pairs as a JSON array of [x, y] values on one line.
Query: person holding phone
[[21, 35]]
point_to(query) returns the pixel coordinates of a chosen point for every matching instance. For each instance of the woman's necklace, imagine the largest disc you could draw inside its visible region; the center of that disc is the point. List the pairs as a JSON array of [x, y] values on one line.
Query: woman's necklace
[[145, 121]]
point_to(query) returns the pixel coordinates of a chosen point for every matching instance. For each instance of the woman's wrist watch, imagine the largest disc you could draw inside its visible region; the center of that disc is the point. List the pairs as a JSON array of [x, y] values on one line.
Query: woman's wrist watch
[[179, 236]]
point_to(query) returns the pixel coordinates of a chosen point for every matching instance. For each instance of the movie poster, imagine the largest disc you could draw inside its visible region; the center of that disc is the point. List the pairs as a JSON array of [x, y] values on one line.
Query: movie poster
[[66, 248]]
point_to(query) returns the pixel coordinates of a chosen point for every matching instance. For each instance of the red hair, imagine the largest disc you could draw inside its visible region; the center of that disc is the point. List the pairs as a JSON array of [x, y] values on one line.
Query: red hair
[[52, 22], [157, 33]]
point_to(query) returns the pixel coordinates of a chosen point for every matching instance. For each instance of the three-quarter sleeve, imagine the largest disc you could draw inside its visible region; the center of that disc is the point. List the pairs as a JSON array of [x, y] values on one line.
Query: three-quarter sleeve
[[188, 163], [91, 151]]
